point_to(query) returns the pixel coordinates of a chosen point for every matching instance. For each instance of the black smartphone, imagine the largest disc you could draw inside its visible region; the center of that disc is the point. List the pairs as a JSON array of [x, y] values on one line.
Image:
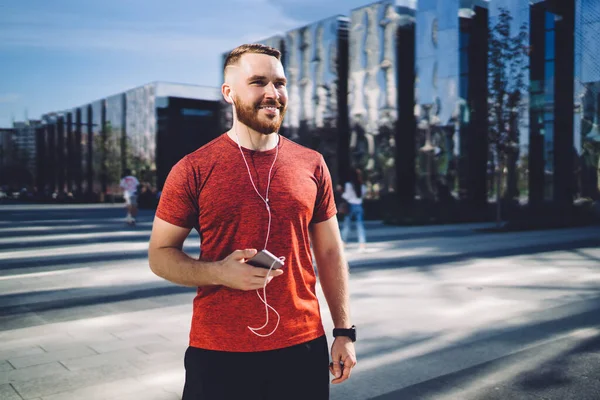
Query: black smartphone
[[264, 259]]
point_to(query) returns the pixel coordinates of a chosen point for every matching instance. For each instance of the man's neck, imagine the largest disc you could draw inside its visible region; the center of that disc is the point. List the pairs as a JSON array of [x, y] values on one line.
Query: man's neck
[[250, 139]]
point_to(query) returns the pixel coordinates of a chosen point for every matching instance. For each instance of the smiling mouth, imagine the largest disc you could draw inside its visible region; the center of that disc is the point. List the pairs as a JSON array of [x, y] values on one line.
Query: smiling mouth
[[269, 108]]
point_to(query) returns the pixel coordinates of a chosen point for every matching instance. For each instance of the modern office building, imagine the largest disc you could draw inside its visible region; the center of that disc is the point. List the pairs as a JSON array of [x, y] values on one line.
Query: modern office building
[[564, 139], [316, 65], [6, 146], [451, 111], [24, 144], [381, 96], [587, 99], [84, 151]]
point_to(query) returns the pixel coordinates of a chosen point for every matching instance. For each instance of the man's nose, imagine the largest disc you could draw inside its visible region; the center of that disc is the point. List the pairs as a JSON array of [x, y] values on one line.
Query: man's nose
[[271, 91]]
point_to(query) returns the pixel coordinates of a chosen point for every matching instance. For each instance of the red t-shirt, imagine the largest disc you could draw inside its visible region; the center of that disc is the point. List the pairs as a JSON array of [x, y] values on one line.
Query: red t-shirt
[[210, 190]]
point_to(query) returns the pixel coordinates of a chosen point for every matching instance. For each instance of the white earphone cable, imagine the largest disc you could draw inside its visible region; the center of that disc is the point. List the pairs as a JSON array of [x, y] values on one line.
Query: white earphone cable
[[266, 201]]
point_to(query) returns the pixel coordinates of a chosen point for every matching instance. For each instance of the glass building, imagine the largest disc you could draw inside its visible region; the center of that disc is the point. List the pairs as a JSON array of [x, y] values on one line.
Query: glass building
[[315, 59], [451, 104], [82, 153], [381, 95], [316, 66], [587, 99]]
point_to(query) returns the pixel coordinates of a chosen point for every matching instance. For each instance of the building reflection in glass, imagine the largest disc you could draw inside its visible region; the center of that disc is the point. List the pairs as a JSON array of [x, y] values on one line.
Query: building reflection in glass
[[316, 116], [451, 111], [438, 98], [140, 132], [98, 181], [520, 12], [372, 102], [587, 99], [114, 131]]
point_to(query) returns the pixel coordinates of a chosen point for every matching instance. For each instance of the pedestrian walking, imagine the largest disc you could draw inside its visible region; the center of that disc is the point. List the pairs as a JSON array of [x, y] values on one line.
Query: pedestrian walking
[[129, 184], [354, 191], [260, 203]]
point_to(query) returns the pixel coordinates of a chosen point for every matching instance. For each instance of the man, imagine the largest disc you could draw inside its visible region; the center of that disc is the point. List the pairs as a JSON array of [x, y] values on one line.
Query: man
[[129, 184], [248, 190]]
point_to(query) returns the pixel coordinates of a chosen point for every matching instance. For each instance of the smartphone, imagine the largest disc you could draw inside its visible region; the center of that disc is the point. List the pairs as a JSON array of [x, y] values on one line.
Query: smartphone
[[264, 259]]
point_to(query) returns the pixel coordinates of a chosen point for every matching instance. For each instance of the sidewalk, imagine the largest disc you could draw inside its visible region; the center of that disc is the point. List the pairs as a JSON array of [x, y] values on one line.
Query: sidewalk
[[444, 312]]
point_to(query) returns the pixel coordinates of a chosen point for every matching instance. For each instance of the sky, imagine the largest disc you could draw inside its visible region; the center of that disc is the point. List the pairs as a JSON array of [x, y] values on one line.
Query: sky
[[60, 54]]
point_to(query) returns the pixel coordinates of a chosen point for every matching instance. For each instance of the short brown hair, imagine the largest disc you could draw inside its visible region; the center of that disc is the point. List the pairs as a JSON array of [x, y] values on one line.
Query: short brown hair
[[255, 48]]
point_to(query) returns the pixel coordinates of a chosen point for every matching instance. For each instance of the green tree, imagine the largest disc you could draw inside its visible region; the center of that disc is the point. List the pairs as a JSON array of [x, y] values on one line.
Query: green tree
[[508, 64]]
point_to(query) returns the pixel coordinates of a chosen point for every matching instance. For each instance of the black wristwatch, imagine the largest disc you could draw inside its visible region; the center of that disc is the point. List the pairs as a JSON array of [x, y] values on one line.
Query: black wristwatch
[[351, 333]]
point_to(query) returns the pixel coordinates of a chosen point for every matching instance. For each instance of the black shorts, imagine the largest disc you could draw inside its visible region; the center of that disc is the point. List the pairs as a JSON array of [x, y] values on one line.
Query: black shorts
[[298, 372]]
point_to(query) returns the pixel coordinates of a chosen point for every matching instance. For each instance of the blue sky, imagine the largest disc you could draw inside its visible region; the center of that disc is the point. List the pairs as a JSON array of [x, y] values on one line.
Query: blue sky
[[61, 54]]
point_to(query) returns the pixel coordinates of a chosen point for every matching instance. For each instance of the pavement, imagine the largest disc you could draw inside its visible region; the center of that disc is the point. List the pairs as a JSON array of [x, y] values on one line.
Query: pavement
[[444, 312]]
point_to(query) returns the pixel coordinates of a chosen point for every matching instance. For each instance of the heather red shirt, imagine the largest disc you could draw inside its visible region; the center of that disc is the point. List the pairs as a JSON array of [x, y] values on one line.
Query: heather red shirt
[[210, 190]]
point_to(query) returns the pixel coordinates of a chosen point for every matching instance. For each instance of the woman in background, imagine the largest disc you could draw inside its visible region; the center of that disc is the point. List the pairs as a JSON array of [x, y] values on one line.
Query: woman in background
[[354, 191]]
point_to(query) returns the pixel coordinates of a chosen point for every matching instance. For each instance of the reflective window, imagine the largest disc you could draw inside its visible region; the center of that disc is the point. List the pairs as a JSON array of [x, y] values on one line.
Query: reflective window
[[550, 43], [97, 153], [550, 21], [112, 145]]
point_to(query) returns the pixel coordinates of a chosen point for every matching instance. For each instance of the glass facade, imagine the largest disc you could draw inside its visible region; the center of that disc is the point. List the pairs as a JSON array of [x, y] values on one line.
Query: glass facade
[[84, 151], [140, 137], [114, 131], [97, 155], [587, 99], [437, 97], [520, 12], [373, 92], [396, 89], [451, 112], [317, 104]]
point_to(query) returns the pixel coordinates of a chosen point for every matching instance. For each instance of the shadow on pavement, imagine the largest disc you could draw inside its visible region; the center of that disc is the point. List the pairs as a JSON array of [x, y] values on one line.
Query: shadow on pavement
[[522, 374]]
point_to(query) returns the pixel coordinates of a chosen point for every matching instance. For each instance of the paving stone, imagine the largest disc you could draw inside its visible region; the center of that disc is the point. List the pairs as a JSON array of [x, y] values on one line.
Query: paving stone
[[123, 387], [114, 357], [36, 359], [128, 343], [172, 378], [173, 347], [37, 371], [33, 338], [149, 394], [21, 352], [5, 366], [7, 392], [49, 385]]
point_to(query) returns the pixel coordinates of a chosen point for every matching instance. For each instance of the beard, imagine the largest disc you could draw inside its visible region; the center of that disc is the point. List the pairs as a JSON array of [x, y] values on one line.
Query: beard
[[248, 115]]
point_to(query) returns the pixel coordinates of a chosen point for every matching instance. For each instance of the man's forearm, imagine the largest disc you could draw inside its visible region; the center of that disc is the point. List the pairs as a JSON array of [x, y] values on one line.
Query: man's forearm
[[333, 276], [174, 265]]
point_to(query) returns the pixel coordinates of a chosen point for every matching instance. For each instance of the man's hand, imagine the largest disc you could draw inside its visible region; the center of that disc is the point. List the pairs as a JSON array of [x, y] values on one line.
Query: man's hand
[[343, 358], [234, 273]]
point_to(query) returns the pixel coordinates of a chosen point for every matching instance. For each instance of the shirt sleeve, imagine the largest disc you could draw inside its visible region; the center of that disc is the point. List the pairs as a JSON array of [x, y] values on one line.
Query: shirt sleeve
[[325, 202], [178, 204]]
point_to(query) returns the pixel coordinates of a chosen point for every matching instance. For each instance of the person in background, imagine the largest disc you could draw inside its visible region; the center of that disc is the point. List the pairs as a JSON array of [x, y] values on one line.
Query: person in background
[[130, 184], [354, 191]]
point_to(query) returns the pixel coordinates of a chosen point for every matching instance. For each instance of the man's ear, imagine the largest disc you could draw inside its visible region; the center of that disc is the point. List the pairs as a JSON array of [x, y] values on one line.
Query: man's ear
[[227, 93]]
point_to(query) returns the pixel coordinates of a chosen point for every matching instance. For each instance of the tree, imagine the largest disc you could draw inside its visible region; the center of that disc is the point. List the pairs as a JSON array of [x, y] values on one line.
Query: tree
[[508, 63]]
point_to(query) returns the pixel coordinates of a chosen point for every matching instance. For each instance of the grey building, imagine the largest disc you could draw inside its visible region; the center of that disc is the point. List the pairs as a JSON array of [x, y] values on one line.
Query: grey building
[[82, 152], [451, 100], [381, 74]]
